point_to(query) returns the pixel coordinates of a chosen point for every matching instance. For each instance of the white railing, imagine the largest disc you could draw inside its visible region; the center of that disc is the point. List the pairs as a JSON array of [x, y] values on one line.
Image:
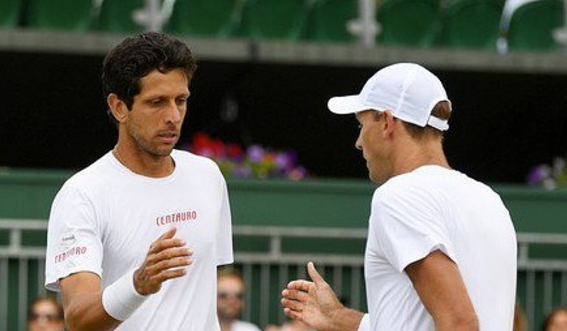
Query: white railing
[[269, 269]]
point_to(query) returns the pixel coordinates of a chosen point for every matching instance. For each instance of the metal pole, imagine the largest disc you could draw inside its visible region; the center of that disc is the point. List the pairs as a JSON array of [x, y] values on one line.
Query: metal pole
[[560, 34], [565, 24], [154, 15], [365, 25], [367, 10]]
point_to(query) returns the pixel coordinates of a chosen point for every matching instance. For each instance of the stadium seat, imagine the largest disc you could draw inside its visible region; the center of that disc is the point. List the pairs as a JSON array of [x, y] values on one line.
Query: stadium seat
[[116, 16], [414, 23], [471, 24], [329, 18], [218, 18], [71, 15], [9, 13], [532, 25], [275, 19]]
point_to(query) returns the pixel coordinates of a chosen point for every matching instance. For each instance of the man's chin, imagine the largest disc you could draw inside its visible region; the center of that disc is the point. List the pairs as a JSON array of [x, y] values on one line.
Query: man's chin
[[373, 178], [228, 316], [163, 151]]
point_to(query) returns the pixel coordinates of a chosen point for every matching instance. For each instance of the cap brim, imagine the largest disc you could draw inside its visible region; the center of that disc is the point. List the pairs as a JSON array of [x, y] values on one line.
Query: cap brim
[[349, 104]]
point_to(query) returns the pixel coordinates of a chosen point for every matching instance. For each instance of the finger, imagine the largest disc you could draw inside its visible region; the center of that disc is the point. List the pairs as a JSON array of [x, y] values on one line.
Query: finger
[[167, 265], [163, 244], [168, 275], [295, 295], [169, 253], [292, 313], [168, 234], [300, 284], [315, 276], [293, 305]]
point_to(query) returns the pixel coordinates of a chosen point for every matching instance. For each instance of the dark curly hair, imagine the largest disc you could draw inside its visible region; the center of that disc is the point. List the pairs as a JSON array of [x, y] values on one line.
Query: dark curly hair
[[135, 57]]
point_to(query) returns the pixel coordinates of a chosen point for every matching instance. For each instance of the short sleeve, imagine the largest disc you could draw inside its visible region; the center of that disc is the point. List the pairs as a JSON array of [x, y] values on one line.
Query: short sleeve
[[407, 225], [224, 230], [73, 239]]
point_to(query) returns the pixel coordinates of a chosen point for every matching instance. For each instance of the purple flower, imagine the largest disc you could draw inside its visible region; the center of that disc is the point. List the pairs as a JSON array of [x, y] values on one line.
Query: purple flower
[[255, 153], [241, 171], [285, 161], [258, 162], [539, 174]]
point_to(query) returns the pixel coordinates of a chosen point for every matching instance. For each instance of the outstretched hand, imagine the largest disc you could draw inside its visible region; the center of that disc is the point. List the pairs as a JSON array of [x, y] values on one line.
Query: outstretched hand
[[164, 261], [312, 302]]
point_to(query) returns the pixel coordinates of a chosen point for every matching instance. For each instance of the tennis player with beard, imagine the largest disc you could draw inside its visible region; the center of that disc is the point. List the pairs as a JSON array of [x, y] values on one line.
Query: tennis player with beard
[[135, 239]]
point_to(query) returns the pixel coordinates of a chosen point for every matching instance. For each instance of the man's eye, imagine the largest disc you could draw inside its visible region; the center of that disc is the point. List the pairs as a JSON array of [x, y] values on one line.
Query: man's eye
[[181, 101], [360, 126]]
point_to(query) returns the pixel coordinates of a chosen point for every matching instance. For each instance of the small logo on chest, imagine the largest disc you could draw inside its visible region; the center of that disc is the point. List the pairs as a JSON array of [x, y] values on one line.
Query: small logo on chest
[[181, 217]]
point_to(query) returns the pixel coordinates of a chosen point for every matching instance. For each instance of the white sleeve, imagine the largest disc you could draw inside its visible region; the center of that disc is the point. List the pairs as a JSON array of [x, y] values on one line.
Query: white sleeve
[[73, 238], [408, 225], [224, 230], [364, 323]]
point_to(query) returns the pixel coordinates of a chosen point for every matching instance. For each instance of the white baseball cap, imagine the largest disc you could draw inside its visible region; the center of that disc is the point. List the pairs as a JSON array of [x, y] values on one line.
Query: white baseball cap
[[408, 90]]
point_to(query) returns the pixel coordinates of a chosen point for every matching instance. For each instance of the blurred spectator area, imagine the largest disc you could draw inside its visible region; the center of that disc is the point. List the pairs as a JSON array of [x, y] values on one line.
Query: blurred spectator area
[[267, 68], [469, 24]]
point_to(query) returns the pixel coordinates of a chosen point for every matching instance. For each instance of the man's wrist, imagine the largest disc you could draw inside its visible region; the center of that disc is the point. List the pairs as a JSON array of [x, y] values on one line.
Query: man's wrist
[[121, 299], [346, 319]]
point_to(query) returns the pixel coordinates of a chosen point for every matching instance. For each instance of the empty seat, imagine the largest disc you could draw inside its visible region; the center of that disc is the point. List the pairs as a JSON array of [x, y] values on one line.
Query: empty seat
[[471, 24], [413, 23], [218, 18], [329, 18], [10, 13], [117, 16], [532, 24], [72, 15], [275, 19]]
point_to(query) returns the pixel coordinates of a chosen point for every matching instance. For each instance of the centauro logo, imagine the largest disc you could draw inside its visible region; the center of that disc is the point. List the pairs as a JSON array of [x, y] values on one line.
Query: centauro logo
[[185, 216], [69, 253]]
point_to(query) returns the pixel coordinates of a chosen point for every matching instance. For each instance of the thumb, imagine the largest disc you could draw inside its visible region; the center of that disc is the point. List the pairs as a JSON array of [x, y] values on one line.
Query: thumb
[[315, 276]]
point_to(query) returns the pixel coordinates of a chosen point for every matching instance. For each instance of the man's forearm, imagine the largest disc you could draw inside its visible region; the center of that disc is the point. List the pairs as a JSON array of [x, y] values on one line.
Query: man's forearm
[[87, 313]]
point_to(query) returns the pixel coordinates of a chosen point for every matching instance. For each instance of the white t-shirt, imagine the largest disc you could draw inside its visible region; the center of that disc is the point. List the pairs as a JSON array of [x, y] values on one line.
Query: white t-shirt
[[243, 326], [434, 208], [105, 217]]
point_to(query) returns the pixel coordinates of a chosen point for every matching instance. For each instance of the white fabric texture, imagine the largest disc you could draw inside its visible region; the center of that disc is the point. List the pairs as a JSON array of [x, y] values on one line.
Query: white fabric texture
[[364, 323], [429, 209], [243, 326], [105, 217]]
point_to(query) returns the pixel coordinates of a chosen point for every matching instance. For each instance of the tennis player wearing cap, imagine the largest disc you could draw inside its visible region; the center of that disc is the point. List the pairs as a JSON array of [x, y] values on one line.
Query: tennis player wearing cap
[[441, 248]]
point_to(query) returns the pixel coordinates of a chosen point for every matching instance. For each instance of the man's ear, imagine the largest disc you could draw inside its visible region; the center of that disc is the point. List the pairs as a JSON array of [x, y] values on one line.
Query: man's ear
[[117, 107], [388, 123]]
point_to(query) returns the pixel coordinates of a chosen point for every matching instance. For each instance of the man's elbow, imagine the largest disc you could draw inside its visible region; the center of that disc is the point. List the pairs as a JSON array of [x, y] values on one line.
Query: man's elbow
[[77, 321], [74, 322]]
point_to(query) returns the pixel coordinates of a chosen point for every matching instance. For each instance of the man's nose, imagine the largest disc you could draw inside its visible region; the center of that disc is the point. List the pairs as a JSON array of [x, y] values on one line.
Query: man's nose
[[358, 144], [173, 113]]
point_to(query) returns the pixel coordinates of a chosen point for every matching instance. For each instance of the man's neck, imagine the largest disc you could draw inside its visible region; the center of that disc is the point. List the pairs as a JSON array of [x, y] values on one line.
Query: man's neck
[[225, 324], [413, 156], [144, 164]]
